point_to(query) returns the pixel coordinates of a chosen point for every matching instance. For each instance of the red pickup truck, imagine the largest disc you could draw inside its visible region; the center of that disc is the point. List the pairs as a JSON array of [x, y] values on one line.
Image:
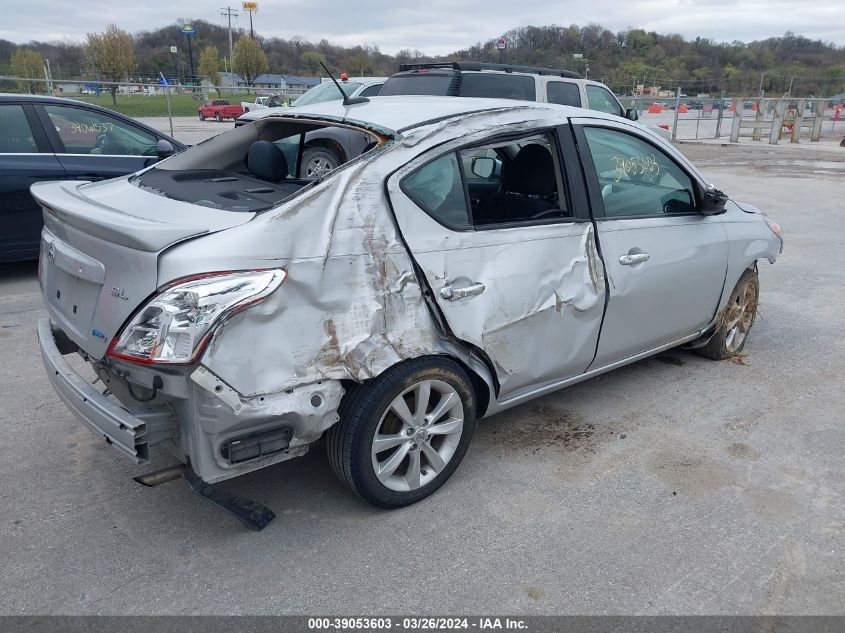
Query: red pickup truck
[[219, 109]]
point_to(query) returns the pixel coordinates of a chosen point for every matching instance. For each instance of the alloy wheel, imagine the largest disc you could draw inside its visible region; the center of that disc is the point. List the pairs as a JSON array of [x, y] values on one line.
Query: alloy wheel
[[417, 435]]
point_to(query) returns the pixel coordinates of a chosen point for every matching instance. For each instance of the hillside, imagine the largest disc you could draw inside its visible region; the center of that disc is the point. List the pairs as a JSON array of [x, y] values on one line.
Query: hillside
[[619, 59]]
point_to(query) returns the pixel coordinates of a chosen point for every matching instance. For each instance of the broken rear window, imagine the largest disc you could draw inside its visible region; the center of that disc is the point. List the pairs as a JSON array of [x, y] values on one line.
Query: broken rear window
[[256, 166]]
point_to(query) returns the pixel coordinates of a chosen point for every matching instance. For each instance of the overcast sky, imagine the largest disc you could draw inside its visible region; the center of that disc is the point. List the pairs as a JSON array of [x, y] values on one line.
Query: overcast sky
[[436, 26]]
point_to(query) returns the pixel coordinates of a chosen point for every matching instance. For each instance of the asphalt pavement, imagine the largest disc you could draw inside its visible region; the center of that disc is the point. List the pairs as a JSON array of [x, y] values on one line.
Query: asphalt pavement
[[677, 485]]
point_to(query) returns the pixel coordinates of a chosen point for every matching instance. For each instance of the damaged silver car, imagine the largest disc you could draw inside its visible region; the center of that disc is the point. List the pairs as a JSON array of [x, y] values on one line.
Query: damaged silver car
[[478, 254]]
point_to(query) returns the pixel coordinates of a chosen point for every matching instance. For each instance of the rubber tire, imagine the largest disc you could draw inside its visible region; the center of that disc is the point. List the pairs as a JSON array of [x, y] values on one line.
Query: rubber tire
[[219, 118], [348, 442], [715, 348], [202, 117], [311, 152]]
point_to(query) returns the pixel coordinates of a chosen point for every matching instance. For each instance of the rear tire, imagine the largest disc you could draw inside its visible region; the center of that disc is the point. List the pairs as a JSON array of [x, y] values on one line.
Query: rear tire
[[738, 317], [202, 117], [317, 161], [421, 414], [219, 118]]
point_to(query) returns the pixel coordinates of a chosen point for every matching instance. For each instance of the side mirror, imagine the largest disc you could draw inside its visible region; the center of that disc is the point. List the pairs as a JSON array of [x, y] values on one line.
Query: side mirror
[[164, 149], [485, 167], [713, 201], [632, 114]]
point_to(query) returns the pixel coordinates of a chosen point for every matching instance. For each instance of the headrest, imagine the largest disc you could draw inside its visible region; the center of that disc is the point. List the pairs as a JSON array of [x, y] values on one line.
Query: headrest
[[531, 172], [267, 162]]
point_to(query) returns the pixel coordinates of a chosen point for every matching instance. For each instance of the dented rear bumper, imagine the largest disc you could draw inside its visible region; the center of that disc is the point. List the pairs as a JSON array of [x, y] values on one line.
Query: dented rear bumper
[[196, 415], [130, 434]]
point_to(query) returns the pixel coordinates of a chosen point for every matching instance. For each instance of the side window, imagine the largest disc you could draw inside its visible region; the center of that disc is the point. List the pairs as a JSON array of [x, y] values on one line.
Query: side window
[[600, 99], [514, 181], [92, 132], [15, 134], [371, 91], [636, 178], [436, 187], [498, 85], [563, 93]]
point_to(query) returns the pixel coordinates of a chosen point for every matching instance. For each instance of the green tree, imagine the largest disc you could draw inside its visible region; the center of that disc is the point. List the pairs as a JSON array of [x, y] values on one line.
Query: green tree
[[209, 66], [111, 56], [312, 60], [28, 64], [248, 60]]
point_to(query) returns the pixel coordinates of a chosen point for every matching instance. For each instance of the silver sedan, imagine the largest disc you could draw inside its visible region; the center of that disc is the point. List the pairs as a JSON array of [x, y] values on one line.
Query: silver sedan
[[478, 254]]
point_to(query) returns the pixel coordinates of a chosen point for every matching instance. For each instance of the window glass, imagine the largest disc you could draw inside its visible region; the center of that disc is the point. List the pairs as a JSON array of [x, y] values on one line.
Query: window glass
[[600, 99], [437, 188], [15, 134], [434, 84], [636, 178], [92, 132], [326, 91], [563, 93], [513, 181], [371, 91], [498, 85]]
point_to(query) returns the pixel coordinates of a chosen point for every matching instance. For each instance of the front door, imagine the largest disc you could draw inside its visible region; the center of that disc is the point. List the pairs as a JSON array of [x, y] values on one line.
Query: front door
[[506, 246], [666, 263]]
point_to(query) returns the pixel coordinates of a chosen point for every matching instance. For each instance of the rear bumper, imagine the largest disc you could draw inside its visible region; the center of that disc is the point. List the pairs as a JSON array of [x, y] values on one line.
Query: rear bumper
[[130, 434]]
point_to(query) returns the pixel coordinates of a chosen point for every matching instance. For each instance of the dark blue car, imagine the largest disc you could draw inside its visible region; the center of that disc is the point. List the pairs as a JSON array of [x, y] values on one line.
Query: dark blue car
[[46, 138]]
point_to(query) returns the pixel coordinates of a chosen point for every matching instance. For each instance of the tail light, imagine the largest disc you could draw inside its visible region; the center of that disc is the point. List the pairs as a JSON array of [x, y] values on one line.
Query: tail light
[[174, 326]]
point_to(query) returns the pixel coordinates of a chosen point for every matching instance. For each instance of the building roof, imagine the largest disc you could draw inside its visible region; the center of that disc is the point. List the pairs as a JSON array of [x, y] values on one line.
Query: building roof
[[301, 81], [270, 78]]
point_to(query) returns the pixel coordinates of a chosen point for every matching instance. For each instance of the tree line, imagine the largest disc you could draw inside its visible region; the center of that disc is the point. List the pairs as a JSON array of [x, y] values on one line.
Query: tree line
[[620, 59]]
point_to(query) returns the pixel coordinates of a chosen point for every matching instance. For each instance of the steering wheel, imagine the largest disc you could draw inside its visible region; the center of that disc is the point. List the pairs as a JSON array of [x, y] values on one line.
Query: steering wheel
[[102, 142]]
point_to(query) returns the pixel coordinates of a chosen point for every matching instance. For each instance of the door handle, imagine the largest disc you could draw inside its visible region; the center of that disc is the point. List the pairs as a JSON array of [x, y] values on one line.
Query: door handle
[[453, 294], [636, 258]]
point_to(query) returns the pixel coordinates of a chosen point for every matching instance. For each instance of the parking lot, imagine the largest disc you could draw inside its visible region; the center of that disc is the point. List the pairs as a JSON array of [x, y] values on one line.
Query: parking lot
[[677, 485]]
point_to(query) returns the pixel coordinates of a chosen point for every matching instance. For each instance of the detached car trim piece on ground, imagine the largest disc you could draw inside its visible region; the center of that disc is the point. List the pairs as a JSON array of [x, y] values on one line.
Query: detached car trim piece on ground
[[478, 254]]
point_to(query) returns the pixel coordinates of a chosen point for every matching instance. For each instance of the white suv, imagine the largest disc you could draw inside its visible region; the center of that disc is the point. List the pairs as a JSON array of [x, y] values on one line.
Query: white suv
[[478, 79]]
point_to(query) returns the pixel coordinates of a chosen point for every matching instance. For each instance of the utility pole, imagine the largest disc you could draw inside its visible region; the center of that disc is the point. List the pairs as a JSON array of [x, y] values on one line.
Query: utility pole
[[228, 12], [761, 84], [789, 92]]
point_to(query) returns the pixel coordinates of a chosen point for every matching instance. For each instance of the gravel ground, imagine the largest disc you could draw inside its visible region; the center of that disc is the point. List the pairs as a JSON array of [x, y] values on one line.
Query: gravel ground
[[676, 485]]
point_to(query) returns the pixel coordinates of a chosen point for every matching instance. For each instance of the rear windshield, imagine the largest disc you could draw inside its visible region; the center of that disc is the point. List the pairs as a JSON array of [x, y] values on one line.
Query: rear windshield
[[255, 166], [417, 84], [326, 92], [498, 85]]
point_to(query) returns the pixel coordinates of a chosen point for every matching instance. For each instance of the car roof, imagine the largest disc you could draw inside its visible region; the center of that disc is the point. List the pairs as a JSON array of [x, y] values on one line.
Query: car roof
[[406, 112], [10, 96]]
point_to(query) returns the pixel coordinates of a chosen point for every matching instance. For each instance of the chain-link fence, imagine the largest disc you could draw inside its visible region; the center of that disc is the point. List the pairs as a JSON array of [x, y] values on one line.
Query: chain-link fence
[[175, 110], [172, 109]]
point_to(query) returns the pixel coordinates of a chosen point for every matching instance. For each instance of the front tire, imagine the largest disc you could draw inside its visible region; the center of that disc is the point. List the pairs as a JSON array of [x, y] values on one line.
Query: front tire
[[219, 118], [202, 117], [738, 317], [403, 434]]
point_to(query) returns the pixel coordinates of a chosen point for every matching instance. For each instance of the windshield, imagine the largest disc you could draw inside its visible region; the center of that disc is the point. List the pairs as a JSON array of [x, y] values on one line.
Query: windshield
[[326, 91]]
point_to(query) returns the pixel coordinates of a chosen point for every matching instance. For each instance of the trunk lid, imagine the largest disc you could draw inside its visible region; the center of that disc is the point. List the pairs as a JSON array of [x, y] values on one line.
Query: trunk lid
[[100, 248]]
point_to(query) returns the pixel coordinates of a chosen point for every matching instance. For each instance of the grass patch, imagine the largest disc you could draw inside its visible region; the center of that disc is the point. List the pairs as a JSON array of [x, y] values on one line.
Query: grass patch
[[140, 105]]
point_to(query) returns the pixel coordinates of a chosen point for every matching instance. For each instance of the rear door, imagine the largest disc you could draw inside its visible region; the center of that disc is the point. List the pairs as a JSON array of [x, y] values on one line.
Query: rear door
[[516, 276], [666, 262], [93, 145], [25, 158]]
